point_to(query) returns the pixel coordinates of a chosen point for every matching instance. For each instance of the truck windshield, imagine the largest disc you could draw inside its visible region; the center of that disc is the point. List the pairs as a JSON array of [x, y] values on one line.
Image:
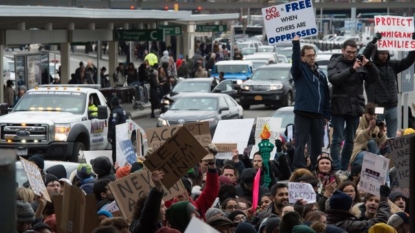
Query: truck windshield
[[232, 69], [59, 101]]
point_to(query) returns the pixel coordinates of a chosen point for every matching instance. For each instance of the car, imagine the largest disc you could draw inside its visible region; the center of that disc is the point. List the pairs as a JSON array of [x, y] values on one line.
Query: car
[[266, 49], [269, 85], [247, 51], [235, 70], [262, 56], [249, 44], [287, 117], [282, 59], [259, 63], [21, 177], [197, 107]]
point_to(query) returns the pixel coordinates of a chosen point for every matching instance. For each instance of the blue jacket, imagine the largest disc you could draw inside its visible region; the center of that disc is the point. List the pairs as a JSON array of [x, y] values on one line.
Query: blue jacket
[[312, 90]]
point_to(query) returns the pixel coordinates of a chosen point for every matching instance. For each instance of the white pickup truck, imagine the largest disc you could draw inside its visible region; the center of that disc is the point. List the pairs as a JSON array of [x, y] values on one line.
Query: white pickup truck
[[53, 120]]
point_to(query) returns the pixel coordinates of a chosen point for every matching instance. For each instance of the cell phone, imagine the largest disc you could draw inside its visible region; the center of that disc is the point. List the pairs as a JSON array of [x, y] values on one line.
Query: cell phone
[[379, 110], [359, 57]]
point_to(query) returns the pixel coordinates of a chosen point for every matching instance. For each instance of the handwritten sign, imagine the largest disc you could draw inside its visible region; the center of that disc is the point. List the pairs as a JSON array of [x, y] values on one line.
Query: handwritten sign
[[303, 191], [399, 154], [396, 32], [285, 21], [128, 151], [275, 128], [129, 189], [176, 156], [374, 171], [225, 150], [234, 131], [196, 225], [35, 179], [121, 133]]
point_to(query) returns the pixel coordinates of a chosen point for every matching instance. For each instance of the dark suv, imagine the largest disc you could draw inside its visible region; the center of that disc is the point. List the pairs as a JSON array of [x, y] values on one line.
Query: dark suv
[[269, 85]]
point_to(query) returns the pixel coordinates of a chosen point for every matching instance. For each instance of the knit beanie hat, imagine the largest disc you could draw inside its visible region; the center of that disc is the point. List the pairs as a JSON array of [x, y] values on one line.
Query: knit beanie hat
[[408, 131], [123, 172], [381, 227], [289, 220], [272, 223], [178, 215], [105, 213], [84, 171], [58, 170], [235, 213], [136, 167], [244, 227], [340, 201], [50, 178], [211, 212], [302, 229], [24, 212], [39, 160], [398, 219]]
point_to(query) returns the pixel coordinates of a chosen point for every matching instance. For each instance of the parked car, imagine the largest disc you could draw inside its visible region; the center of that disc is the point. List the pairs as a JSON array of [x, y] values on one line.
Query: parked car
[[259, 63], [269, 85], [262, 56], [248, 51], [282, 59], [237, 71], [266, 49], [287, 116], [195, 107], [249, 44]]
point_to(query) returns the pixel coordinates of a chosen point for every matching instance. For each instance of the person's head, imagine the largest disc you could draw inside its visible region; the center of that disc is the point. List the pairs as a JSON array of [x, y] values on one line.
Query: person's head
[[308, 55], [213, 212], [25, 194], [226, 191], [309, 179], [56, 79], [370, 111], [115, 102], [139, 206], [229, 205], [244, 205], [247, 178], [188, 186], [286, 209], [221, 74], [399, 199], [257, 161], [350, 189], [81, 64], [102, 191], [52, 184], [399, 133], [266, 200], [289, 221], [324, 164], [41, 228], [106, 229], [121, 66], [340, 201], [103, 69], [371, 203], [315, 216], [22, 90], [381, 227], [24, 216], [222, 224], [119, 223], [237, 216], [39, 160], [312, 207], [349, 50], [179, 215], [84, 171], [279, 193], [382, 56], [199, 67], [231, 172], [399, 221]]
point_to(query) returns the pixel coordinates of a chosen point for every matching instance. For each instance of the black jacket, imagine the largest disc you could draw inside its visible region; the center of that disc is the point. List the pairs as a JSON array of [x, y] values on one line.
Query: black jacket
[[149, 218], [118, 116], [385, 92], [347, 98]]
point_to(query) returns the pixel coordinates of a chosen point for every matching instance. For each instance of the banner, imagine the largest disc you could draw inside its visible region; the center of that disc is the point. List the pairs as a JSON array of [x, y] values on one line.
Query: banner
[[397, 33], [37, 184], [374, 171], [285, 21]]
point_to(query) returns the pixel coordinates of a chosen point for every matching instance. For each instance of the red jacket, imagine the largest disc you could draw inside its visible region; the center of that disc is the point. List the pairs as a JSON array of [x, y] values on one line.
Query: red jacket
[[208, 195]]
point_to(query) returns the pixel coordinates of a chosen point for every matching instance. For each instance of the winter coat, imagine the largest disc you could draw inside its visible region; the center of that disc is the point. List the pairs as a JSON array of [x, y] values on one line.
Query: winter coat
[[149, 218], [242, 192], [347, 93], [87, 185]]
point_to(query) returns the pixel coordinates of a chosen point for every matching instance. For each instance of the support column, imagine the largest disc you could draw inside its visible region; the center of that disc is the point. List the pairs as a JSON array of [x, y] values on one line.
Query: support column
[[112, 59], [65, 63], [190, 41], [21, 26], [179, 41], [49, 27], [353, 19]]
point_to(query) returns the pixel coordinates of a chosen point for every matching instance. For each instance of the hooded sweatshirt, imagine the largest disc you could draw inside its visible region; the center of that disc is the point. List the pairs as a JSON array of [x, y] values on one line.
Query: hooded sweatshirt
[[103, 168], [165, 57]]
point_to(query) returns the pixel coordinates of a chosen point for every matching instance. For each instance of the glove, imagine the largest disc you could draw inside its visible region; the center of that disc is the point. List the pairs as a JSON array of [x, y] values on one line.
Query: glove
[[278, 144], [384, 191]]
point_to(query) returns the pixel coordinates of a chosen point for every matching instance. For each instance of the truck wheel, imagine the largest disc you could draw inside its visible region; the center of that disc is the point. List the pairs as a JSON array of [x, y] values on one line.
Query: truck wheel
[[78, 151]]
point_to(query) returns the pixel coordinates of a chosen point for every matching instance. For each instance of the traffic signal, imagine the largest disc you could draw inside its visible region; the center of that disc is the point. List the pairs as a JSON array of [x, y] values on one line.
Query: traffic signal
[[166, 8]]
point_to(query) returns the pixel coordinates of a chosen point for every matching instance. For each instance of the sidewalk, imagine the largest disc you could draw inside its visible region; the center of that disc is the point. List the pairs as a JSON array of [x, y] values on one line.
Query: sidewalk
[[137, 113]]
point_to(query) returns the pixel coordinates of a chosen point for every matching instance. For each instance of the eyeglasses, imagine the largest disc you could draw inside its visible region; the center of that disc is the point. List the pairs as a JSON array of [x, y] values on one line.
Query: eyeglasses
[[311, 55], [351, 52], [231, 207]]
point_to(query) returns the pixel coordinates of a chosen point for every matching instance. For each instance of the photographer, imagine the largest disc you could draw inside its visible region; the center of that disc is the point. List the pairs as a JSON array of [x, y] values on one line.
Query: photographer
[[369, 135], [385, 92], [347, 74]]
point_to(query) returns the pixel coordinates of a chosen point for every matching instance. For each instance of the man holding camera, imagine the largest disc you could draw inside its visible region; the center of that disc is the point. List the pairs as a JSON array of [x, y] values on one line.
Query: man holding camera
[[346, 74], [385, 92], [369, 135]]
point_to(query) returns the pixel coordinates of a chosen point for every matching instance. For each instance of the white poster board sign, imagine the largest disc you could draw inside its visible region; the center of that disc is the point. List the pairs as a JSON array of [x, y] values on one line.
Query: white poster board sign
[[285, 21], [111, 207], [234, 131], [297, 191], [399, 154], [35, 179], [274, 124], [121, 132], [374, 170], [396, 32], [196, 225]]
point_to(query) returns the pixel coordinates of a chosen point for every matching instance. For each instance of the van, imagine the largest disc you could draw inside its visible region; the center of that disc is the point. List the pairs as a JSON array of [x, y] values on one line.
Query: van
[[237, 71]]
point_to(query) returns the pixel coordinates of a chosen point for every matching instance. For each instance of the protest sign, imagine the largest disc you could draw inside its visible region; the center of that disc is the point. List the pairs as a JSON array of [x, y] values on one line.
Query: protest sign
[[274, 126], [121, 133], [129, 189], [79, 211], [396, 32], [303, 191], [374, 171], [57, 201], [285, 21], [90, 155], [225, 150], [234, 131], [196, 225], [399, 154], [128, 151], [35, 179], [111, 207], [176, 156], [157, 136]]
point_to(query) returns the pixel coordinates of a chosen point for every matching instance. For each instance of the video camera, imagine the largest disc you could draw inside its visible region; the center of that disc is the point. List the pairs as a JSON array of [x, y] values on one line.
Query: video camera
[[379, 123]]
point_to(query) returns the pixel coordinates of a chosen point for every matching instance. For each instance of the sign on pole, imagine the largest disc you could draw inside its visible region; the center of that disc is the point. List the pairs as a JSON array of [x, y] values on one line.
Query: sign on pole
[[139, 35], [171, 30], [211, 28], [285, 21], [397, 32], [373, 175]]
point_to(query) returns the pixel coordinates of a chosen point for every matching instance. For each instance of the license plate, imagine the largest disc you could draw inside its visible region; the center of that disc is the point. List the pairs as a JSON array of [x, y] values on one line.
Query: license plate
[[258, 97], [21, 152]]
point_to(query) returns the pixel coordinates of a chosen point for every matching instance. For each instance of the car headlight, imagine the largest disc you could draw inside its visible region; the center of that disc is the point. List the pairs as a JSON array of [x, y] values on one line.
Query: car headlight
[[162, 122], [164, 101], [62, 132], [239, 82], [276, 87], [245, 87]]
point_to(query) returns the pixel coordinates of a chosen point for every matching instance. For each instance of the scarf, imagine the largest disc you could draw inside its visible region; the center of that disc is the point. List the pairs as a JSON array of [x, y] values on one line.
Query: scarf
[[325, 179]]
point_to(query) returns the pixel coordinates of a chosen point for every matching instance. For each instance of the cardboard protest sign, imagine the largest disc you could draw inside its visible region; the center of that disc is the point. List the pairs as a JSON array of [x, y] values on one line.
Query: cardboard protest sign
[[157, 136], [121, 133], [79, 212], [283, 22], [374, 171], [234, 131], [396, 32], [57, 201], [36, 181], [196, 225], [225, 150], [399, 154], [176, 156], [90, 155], [129, 189], [275, 127], [303, 191]]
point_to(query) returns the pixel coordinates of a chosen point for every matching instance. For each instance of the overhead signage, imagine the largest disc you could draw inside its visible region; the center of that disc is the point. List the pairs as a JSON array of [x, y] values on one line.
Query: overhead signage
[[211, 28], [139, 35]]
